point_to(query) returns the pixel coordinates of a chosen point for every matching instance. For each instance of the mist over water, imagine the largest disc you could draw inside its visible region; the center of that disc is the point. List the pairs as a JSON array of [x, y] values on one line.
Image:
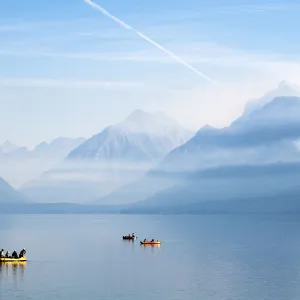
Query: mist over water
[[83, 182]]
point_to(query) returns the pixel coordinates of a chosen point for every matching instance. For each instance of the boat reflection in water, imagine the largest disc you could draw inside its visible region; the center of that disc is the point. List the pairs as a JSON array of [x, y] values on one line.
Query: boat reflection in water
[[15, 270], [153, 248]]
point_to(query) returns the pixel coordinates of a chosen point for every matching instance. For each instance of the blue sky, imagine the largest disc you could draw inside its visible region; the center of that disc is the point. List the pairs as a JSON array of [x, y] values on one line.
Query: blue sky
[[67, 70]]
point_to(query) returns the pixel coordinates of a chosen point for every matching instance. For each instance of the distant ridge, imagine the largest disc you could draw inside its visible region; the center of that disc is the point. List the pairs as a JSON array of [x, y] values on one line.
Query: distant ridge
[[8, 195], [7, 147], [19, 164]]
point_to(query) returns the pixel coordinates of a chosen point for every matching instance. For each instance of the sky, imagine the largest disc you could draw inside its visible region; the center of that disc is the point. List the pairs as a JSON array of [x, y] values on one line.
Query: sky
[[68, 70]]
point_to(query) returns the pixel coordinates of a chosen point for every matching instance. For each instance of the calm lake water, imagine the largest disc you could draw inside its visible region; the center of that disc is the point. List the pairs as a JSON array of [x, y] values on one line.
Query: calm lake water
[[201, 257]]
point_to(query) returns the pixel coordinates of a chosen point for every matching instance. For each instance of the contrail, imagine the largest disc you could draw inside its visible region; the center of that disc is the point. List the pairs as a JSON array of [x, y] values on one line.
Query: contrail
[[158, 46]]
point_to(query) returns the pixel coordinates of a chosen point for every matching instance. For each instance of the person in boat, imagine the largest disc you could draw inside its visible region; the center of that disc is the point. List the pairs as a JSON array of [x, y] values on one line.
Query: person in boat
[[2, 253], [22, 253], [133, 235], [14, 254], [7, 254], [145, 240], [152, 240]]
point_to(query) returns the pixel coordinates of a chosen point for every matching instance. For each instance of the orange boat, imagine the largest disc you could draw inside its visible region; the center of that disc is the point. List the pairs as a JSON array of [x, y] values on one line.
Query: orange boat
[[150, 242]]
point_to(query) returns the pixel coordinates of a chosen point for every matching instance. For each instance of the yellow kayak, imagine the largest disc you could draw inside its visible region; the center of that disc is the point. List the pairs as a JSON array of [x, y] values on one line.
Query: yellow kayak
[[13, 260], [150, 243]]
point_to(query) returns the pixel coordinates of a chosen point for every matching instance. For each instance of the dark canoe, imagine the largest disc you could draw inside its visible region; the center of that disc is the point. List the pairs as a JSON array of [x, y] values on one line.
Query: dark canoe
[[129, 238]]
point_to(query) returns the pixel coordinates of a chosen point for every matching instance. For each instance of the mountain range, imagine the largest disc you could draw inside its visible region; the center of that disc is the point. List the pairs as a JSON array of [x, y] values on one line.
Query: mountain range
[[117, 155], [19, 164], [148, 163], [265, 138], [7, 147], [266, 135]]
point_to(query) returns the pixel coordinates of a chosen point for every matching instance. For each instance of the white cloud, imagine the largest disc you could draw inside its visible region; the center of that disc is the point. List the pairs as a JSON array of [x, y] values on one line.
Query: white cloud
[[21, 26], [63, 83], [228, 65], [284, 6], [197, 53], [11, 27]]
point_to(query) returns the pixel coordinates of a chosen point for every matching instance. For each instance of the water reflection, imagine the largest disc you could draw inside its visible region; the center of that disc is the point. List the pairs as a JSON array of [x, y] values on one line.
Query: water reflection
[[132, 242], [153, 248], [13, 270], [128, 241]]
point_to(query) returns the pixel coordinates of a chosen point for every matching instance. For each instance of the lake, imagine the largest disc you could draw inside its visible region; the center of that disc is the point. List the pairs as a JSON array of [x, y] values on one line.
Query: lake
[[201, 257]]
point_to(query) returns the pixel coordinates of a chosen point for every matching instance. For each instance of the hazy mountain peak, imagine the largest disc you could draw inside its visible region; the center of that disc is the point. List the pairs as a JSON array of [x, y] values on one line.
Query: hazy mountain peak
[[283, 109], [207, 127], [280, 110], [285, 85], [7, 147], [137, 115], [41, 145], [141, 134], [284, 88], [157, 123], [8, 143]]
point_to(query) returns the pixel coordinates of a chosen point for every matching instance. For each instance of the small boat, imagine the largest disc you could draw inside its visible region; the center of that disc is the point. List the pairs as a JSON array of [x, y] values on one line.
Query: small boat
[[150, 243], [126, 237], [13, 260]]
